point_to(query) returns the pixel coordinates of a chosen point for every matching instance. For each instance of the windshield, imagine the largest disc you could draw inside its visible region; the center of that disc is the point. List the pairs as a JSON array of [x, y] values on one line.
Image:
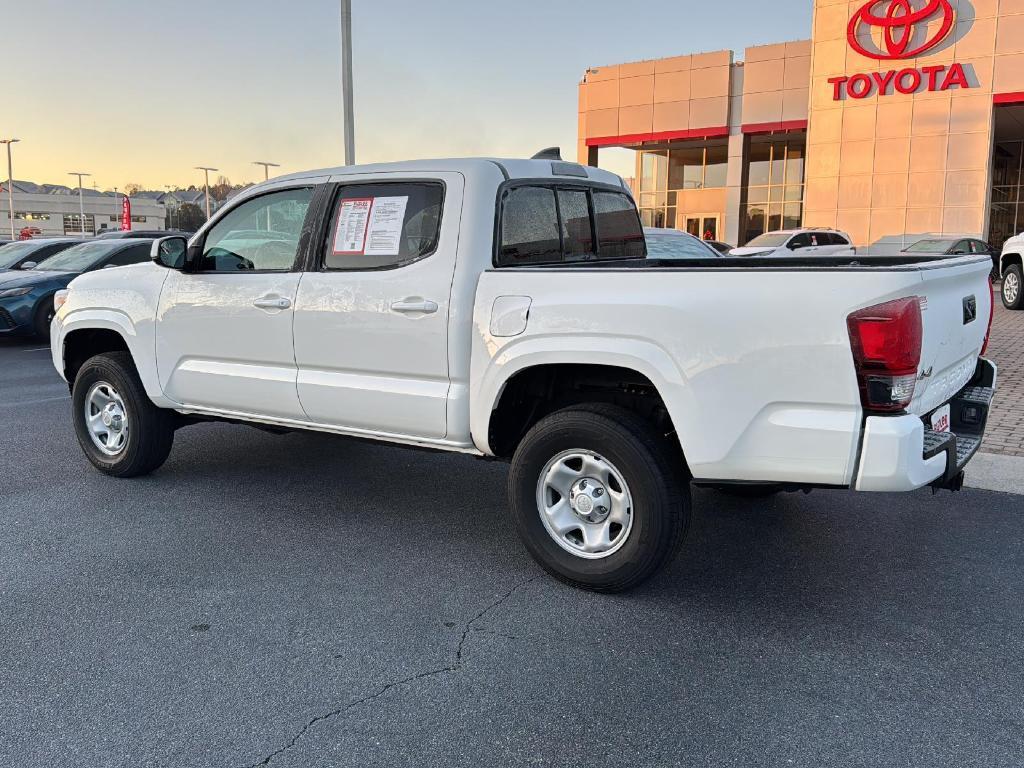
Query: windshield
[[768, 240], [674, 246], [12, 253], [929, 246], [78, 258]]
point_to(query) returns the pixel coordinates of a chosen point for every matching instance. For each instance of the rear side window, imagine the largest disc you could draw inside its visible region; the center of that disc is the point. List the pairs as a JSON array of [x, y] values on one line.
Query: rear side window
[[838, 239], [553, 225], [619, 235], [376, 226]]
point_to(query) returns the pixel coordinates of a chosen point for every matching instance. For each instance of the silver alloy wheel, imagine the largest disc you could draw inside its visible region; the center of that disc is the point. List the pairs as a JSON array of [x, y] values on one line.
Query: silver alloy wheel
[[584, 504], [106, 418], [1011, 287]]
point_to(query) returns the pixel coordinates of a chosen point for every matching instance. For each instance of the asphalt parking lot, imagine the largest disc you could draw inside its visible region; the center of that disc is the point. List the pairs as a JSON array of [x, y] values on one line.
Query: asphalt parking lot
[[303, 600]]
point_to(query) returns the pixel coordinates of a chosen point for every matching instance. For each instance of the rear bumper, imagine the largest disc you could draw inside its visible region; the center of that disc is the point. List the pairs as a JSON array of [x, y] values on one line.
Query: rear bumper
[[899, 453]]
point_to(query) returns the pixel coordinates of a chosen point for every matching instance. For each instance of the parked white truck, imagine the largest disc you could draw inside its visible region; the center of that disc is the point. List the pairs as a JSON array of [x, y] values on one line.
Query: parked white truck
[[506, 308]]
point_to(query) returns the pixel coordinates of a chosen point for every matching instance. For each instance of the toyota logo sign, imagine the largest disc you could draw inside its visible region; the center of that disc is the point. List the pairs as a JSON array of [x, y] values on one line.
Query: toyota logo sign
[[905, 29], [898, 26]]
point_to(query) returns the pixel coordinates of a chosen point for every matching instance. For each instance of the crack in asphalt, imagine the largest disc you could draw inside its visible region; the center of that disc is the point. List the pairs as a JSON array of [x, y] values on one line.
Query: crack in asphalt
[[452, 668]]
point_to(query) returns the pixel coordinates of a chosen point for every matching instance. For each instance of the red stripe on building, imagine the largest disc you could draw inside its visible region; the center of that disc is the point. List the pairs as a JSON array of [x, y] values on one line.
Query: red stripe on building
[[1015, 97], [785, 125], [638, 138]]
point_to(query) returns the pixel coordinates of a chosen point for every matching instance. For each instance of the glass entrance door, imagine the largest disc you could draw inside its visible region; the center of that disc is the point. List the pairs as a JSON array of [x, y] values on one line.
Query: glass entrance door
[[704, 227]]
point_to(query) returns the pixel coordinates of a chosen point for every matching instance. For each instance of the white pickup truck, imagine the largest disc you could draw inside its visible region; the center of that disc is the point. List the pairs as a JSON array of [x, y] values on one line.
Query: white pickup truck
[[507, 309]]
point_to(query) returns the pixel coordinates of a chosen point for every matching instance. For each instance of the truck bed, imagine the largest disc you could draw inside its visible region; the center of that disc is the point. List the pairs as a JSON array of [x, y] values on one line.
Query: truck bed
[[752, 358]]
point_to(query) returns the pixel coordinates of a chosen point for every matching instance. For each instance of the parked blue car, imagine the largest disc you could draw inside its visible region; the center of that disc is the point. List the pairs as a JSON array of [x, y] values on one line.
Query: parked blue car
[[17, 254], [26, 296]]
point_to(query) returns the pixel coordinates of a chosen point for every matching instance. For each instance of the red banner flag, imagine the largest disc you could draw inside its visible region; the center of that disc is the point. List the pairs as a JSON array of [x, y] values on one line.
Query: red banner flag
[[126, 213]]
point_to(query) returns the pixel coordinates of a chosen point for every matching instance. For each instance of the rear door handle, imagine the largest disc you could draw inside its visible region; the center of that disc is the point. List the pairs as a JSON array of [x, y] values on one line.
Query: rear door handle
[[426, 306], [272, 302]]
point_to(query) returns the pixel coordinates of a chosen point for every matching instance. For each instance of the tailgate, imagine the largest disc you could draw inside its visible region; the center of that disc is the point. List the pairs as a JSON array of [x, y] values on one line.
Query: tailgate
[[957, 302]]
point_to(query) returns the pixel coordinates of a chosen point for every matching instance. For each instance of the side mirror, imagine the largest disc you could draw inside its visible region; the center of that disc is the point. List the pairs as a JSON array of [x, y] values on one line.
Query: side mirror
[[794, 246], [29, 265], [169, 252]]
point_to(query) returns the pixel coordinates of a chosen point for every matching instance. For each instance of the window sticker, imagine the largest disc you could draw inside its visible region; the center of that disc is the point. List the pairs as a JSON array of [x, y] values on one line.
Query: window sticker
[[387, 220], [353, 223]]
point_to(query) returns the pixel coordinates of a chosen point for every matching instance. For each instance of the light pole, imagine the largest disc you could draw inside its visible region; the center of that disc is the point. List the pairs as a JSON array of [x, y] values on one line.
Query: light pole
[[266, 177], [266, 168], [346, 81], [170, 210], [81, 203], [10, 181], [206, 170], [115, 205]]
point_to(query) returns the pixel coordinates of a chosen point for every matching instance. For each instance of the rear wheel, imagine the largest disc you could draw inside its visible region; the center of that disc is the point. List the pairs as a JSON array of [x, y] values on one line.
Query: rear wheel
[[122, 433], [1013, 287], [598, 497]]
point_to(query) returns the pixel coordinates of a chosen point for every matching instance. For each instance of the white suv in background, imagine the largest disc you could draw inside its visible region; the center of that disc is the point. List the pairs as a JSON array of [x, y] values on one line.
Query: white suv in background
[[803, 242]]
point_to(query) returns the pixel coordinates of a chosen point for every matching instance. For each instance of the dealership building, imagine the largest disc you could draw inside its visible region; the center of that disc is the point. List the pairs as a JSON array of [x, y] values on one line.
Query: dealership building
[[897, 119], [57, 211]]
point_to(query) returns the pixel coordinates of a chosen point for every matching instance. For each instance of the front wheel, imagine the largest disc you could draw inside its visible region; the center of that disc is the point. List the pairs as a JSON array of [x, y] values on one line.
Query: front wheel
[[42, 319], [122, 433], [598, 497], [1013, 287]]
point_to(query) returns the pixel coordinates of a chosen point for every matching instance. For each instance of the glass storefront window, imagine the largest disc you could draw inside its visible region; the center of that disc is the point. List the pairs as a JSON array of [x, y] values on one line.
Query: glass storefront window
[[1006, 215], [794, 163], [716, 167], [653, 166], [665, 174], [774, 192], [759, 164]]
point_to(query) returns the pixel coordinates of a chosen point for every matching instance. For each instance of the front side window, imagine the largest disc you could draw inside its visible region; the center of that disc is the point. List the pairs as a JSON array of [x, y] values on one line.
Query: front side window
[[260, 235], [376, 226]]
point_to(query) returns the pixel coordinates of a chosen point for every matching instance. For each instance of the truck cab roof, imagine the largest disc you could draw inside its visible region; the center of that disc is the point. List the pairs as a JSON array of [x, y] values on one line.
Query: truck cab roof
[[510, 168]]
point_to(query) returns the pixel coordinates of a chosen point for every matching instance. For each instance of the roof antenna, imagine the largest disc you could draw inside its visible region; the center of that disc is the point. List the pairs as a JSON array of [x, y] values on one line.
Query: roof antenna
[[551, 153]]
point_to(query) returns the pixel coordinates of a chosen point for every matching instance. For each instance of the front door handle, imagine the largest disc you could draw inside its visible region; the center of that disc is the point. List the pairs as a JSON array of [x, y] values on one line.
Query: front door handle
[[425, 306], [272, 302]]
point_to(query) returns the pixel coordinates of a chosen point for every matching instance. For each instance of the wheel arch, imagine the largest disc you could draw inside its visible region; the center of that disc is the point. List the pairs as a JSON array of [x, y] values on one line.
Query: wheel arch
[[534, 385], [1008, 259], [88, 333]]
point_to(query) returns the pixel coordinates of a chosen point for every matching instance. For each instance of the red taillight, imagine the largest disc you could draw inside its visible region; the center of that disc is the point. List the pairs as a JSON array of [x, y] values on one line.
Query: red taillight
[[886, 342], [991, 316]]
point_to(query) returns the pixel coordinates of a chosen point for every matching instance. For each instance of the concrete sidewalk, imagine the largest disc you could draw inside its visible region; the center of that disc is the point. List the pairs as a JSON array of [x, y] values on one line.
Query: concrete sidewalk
[[1005, 432], [995, 472]]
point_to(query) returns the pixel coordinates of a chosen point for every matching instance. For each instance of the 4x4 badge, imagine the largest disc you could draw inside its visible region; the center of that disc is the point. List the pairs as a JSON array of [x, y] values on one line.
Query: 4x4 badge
[[970, 309]]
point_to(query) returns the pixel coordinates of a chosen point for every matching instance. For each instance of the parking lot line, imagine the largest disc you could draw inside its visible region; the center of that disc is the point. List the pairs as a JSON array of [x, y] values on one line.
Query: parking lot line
[[35, 402]]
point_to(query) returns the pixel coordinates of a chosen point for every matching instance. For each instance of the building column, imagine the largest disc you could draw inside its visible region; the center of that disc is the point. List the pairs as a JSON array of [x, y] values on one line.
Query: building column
[[734, 189]]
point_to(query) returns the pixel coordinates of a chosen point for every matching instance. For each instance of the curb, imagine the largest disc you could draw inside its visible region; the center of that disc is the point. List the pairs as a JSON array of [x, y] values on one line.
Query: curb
[[995, 472]]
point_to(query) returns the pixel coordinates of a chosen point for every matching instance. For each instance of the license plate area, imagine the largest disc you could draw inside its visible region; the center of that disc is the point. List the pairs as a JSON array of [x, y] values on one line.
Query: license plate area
[[939, 419]]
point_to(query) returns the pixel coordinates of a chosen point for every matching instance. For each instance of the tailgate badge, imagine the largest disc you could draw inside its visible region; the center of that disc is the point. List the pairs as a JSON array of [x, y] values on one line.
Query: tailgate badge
[[970, 309]]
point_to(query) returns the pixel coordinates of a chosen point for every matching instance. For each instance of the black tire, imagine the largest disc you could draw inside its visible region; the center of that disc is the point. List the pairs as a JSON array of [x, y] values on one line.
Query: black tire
[[1015, 277], [652, 470], [151, 429], [43, 317]]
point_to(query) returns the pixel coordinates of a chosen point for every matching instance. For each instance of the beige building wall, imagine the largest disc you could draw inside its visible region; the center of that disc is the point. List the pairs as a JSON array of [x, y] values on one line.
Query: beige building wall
[[776, 82], [627, 103], [889, 168]]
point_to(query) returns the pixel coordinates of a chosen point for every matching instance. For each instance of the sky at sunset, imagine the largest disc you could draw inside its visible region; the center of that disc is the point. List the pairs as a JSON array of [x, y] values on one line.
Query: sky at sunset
[[143, 91]]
